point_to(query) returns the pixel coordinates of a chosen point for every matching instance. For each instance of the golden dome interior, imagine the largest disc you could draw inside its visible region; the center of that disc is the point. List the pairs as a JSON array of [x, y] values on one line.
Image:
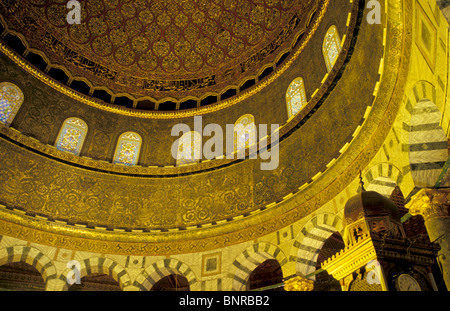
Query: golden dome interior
[[90, 173], [163, 55]]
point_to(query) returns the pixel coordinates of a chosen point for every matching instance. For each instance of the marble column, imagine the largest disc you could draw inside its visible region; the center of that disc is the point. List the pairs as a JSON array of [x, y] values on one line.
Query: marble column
[[433, 205]]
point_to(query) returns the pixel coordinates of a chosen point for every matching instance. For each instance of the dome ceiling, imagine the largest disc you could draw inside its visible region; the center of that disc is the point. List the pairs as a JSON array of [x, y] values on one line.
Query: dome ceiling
[[163, 50], [157, 207]]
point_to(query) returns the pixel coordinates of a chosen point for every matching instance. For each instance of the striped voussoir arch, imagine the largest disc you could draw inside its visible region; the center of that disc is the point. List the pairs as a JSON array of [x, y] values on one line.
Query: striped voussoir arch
[[383, 178], [250, 259], [309, 242], [427, 142], [152, 274], [100, 265], [31, 256]]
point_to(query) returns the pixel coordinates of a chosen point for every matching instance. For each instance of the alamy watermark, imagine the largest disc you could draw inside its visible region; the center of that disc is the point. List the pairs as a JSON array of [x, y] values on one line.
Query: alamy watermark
[[74, 15], [237, 140], [373, 269], [374, 15], [73, 277]]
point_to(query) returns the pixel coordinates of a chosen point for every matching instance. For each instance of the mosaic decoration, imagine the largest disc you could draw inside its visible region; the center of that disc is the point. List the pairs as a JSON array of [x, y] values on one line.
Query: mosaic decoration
[[426, 37], [128, 148], [189, 148], [163, 48], [11, 98], [244, 132], [71, 136], [211, 264], [295, 97], [331, 47], [195, 240]]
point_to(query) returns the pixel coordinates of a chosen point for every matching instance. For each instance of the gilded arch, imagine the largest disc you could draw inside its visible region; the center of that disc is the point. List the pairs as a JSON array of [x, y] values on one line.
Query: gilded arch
[[100, 265], [423, 136], [152, 274], [310, 240], [33, 257], [250, 259]]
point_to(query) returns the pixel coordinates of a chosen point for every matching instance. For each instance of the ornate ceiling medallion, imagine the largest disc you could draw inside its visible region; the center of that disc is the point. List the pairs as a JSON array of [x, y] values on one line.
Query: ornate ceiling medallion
[[164, 50]]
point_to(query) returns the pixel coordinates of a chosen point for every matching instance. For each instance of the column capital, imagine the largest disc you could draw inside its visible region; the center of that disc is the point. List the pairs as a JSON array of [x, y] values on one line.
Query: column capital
[[430, 203]]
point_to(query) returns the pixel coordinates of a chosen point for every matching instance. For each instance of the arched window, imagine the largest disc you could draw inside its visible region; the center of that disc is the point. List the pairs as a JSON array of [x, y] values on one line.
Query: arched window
[[72, 135], [128, 147], [189, 148], [11, 98], [244, 132], [295, 97], [331, 47]]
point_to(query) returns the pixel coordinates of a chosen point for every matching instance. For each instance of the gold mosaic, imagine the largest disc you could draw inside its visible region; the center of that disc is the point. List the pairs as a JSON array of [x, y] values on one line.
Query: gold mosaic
[[163, 49]]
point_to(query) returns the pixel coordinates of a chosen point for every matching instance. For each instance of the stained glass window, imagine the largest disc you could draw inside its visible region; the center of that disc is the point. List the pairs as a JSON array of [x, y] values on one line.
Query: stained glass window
[[331, 47], [189, 148], [72, 135], [295, 97], [128, 147], [244, 132], [11, 98]]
